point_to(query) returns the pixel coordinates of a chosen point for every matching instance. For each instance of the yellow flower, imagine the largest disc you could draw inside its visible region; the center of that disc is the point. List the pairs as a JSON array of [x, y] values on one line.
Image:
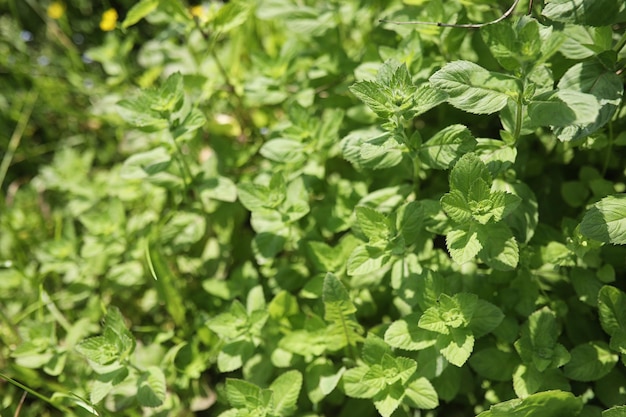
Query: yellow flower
[[197, 11], [109, 20], [56, 10]]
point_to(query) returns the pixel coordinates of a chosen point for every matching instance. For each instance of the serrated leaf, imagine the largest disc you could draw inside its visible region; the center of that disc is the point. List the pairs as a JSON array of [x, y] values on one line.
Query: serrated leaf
[[374, 349], [387, 401], [373, 224], [447, 146], [151, 387], [590, 362], [503, 204], [284, 151], [468, 169], [145, 164], [426, 97], [406, 334], [421, 394], [456, 346], [456, 206], [98, 349], [409, 218], [231, 15], [139, 10], [543, 404], [606, 220], [365, 259], [253, 196], [463, 245], [353, 385], [286, 389], [619, 411], [485, 318], [526, 380], [563, 108], [472, 88], [234, 355], [321, 378], [339, 312], [242, 394], [586, 12], [500, 249], [493, 363], [612, 309], [371, 93], [371, 149]]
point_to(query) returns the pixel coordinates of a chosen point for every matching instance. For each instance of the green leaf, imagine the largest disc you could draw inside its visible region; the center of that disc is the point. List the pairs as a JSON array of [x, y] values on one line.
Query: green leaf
[[234, 355], [365, 259], [284, 151], [543, 404], [499, 247], [561, 108], [231, 15], [165, 283], [586, 12], [170, 94], [466, 172], [339, 312], [139, 10], [389, 400], [99, 350], [286, 389], [253, 196], [321, 378], [421, 394], [485, 318], [463, 244], [371, 93], [495, 364], [456, 206], [456, 346], [242, 394], [503, 204], [612, 309], [406, 334], [443, 149], [606, 220], [409, 219], [590, 362], [472, 88], [145, 164], [593, 78], [371, 149], [151, 387], [374, 349], [426, 97], [619, 411], [527, 380], [373, 224], [354, 386]]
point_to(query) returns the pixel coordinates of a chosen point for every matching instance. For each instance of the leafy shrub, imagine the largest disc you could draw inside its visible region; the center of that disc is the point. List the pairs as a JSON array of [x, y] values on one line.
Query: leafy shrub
[[276, 208]]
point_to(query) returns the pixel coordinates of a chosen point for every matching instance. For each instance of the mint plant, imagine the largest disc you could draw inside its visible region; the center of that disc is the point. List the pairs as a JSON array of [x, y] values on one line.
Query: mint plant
[[290, 208]]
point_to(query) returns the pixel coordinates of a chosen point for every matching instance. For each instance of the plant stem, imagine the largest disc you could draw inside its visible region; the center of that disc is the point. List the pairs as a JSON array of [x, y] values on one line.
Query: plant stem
[[518, 119], [35, 393], [16, 137], [620, 44]]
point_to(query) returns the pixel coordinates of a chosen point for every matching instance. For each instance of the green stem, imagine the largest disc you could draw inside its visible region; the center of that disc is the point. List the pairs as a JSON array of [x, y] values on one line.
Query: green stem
[[518, 120], [620, 44], [16, 137], [35, 393]]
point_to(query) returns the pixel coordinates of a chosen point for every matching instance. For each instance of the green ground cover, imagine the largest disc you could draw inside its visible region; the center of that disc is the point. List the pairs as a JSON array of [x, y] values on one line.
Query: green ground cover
[[290, 208]]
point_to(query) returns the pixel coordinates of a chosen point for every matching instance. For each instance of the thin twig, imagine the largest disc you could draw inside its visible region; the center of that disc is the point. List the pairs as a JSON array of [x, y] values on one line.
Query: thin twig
[[506, 14], [19, 405]]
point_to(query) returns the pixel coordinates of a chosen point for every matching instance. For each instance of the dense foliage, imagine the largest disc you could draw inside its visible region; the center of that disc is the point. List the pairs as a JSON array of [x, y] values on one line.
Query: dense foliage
[[286, 207]]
